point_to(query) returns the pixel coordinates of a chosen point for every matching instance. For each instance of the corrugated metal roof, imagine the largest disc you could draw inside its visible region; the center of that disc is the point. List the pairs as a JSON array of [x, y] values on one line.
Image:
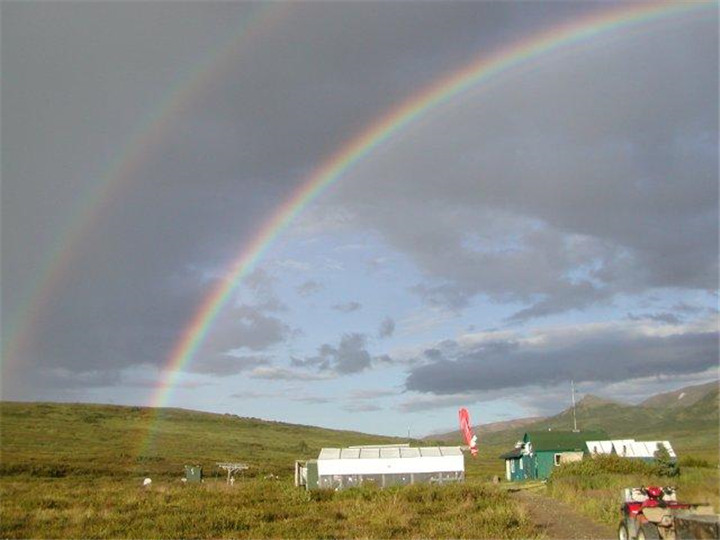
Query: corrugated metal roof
[[394, 445], [628, 448], [329, 453], [409, 452], [389, 452], [647, 449], [599, 447]]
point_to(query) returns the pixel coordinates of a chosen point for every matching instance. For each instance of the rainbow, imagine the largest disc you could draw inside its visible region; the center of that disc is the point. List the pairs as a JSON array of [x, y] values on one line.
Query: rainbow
[[89, 209], [377, 134]]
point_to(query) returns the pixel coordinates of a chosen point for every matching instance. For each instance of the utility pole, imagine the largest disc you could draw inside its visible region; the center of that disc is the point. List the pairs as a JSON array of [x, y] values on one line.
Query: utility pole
[[572, 386]]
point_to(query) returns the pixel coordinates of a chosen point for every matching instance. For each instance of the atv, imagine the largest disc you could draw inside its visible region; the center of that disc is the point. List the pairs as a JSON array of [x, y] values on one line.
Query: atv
[[654, 512]]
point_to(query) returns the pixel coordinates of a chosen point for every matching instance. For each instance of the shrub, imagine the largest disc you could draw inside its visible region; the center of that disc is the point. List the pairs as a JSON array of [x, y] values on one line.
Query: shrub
[[665, 466], [599, 465]]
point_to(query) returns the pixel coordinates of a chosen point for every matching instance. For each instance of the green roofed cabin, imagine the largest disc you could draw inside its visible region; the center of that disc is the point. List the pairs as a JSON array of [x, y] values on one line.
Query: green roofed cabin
[[540, 451]]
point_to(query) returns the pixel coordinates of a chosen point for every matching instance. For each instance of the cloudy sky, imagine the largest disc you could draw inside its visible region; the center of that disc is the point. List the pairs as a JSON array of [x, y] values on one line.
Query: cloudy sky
[[558, 221]]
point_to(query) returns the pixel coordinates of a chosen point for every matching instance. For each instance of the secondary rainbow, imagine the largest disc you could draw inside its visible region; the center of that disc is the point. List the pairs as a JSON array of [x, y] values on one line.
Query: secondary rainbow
[[90, 208], [378, 133]]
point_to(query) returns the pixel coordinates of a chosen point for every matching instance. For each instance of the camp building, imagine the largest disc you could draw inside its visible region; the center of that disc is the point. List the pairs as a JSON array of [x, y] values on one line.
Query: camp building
[[383, 465], [630, 448], [540, 451]]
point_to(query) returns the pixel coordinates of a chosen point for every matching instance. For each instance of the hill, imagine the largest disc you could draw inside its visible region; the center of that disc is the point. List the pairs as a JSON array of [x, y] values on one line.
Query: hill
[[684, 397], [691, 428], [492, 427], [55, 439]]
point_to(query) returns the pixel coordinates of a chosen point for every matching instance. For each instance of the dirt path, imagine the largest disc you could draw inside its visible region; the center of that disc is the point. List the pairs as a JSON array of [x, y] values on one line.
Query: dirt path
[[558, 521]]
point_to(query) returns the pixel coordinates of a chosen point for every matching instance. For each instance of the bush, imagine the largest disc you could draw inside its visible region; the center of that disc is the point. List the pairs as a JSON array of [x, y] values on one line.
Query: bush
[[665, 466], [599, 465]]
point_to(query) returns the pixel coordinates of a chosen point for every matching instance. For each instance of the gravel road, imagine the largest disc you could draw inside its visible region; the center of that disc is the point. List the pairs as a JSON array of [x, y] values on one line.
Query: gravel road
[[558, 521]]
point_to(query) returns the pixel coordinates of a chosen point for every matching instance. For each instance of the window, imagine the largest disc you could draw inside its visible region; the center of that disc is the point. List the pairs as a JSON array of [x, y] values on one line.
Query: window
[[521, 464], [557, 459]]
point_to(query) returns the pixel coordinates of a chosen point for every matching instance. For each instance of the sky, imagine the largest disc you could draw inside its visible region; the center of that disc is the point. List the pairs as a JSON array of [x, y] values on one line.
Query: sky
[[557, 221]]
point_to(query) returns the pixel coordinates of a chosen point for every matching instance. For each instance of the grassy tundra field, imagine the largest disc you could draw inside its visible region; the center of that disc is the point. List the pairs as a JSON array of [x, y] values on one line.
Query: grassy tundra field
[[76, 471]]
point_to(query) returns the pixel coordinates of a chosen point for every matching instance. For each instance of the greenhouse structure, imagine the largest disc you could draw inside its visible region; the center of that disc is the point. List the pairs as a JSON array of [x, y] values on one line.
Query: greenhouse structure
[[384, 465]]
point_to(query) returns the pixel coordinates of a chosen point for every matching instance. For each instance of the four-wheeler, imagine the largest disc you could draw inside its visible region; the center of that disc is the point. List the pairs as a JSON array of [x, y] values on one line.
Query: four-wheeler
[[654, 512]]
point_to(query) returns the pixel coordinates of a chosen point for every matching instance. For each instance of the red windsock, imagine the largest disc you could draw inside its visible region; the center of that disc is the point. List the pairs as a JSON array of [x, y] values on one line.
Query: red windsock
[[466, 429]]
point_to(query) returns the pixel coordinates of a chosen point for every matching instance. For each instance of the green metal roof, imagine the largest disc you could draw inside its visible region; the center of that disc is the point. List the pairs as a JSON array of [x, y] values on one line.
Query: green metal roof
[[562, 440]]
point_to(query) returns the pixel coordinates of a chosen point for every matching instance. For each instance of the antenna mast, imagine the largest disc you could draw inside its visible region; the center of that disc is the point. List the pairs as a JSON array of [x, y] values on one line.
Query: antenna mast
[[572, 386]]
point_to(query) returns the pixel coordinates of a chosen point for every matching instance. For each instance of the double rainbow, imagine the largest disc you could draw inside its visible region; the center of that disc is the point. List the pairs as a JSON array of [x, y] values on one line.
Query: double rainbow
[[378, 133], [90, 208]]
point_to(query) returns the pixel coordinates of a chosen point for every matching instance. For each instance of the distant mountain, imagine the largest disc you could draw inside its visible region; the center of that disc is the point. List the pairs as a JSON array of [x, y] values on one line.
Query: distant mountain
[[590, 401], [492, 427], [683, 397], [691, 428]]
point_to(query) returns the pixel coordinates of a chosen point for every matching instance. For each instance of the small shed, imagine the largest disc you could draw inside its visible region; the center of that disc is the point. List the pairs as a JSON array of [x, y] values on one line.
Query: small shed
[[193, 474], [516, 464], [540, 452], [388, 465]]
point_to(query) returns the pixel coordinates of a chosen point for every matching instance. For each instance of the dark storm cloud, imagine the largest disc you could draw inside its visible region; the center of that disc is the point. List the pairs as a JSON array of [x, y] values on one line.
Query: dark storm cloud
[[209, 176], [80, 80], [349, 356], [347, 307], [562, 186], [609, 355], [247, 327], [387, 328]]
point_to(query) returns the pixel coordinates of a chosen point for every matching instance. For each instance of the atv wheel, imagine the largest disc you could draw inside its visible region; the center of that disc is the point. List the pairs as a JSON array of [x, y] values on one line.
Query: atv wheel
[[623, 532], [648, 532]]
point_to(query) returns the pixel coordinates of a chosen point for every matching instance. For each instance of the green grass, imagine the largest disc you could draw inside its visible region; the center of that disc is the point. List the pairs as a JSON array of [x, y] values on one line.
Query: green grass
[[55, 440], [594, 486], [253, 508], [71, 470], [75, 470]]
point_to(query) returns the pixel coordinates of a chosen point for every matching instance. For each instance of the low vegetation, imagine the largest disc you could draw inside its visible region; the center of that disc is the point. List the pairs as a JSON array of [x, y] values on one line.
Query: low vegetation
[[253, 508], [70, 470], [594, 486]]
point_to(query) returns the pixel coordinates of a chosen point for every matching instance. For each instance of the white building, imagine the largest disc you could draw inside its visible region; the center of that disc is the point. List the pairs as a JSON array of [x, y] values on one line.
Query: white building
[[629, 448], [386, 465]]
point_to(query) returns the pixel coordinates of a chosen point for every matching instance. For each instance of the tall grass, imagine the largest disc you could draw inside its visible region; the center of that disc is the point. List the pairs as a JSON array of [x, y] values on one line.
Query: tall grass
[[253, 508], [594, 486], [76, 471]]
